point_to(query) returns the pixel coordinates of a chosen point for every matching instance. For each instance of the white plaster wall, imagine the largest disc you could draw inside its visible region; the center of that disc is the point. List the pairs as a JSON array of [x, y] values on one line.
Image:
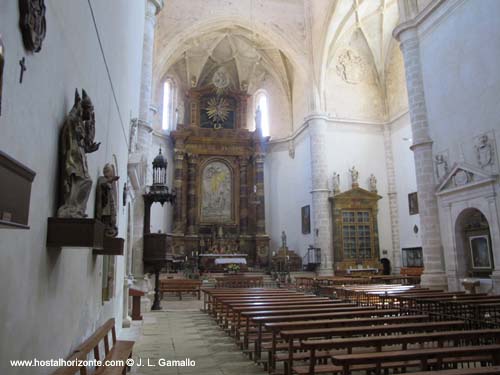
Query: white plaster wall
[[459, 46], [51, 300], [406, 182], [459, 56], [362, 146], [288, 187]]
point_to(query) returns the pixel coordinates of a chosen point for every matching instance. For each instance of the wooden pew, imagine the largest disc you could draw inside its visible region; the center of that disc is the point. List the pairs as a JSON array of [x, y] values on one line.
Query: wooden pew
[[361, 311], [119, 350], [276, 328], [378, 342], [424, 356], [239, 282], [392, 329], [492, 370], [209, 295], [180, 286]]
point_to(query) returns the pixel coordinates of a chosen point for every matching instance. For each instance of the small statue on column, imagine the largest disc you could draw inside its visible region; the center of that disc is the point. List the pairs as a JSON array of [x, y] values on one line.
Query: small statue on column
[[336, 183], [105, 204]]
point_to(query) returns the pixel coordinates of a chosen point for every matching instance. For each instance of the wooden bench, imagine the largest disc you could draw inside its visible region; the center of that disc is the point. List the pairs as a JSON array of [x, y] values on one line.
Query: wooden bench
[[119, 350], [492, 370], [275, 328], [394, 330], [239, 282], [423, 356], [180, 286], [437, 338]]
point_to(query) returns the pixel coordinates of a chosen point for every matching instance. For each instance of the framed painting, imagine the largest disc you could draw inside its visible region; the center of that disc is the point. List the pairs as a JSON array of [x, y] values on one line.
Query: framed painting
[[480, 252], [306, 219], [413, 203]]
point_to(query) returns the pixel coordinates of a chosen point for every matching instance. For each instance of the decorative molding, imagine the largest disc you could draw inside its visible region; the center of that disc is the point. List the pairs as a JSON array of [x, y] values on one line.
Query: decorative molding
[[463, 176]]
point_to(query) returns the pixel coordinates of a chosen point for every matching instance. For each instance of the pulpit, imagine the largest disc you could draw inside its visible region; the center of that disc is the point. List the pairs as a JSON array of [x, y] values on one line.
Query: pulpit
[[155, 254]]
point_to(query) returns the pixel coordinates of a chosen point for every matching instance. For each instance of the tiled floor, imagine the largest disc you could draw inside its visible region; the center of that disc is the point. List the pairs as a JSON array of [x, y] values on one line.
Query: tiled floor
[[182, 331]]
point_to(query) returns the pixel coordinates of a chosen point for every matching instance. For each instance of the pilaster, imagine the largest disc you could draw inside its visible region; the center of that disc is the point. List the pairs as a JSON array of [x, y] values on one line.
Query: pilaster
[[434, 274], [321, 224]]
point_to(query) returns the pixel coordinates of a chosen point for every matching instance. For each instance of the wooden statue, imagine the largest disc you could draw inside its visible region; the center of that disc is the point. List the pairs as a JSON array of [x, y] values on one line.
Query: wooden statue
[[105, 203], [77, 140]]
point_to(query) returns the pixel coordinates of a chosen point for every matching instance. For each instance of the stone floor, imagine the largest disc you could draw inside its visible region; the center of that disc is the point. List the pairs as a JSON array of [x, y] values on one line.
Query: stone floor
[[182, 331]]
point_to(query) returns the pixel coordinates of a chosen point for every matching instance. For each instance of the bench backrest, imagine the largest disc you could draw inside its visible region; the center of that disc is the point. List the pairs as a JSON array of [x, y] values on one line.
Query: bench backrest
[[91, 344]]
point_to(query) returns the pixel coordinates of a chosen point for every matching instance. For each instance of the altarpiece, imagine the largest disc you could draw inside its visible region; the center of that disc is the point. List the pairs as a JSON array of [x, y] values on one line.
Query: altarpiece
[[219, 179]]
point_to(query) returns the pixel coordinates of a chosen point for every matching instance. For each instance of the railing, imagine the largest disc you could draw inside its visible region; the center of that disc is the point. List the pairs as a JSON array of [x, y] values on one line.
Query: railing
[[311, 259]]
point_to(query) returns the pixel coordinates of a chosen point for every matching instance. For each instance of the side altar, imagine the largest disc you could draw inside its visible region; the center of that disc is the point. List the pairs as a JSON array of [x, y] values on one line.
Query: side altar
[[219, 178]]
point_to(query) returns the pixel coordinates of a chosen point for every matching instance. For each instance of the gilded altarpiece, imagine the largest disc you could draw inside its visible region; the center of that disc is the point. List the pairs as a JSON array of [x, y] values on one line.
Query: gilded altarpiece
[[219, 180], [355, 229]]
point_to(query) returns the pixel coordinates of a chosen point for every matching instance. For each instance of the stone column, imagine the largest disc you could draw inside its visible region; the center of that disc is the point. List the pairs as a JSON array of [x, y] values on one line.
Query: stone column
[[144, 131], [192, 206], [393, 200], [243, 195], [434, 274], [259, 182], [178, 177], [322, 229]]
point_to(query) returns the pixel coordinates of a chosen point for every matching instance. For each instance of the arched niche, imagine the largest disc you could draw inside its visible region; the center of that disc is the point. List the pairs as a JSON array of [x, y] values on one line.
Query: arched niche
[[473, 244]]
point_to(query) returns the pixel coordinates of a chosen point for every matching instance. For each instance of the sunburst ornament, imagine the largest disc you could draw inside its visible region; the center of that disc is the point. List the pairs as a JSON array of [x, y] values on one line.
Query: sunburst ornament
[[217, 111]]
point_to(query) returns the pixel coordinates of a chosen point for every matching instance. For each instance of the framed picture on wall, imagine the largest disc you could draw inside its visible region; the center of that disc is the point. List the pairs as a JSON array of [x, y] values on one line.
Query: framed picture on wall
[[413, 203], [306, 219], [480, 252]]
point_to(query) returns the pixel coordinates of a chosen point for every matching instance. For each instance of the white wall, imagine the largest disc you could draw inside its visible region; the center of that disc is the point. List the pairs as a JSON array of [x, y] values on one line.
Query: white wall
[[51, 300], [406, 182], [288, 187], [362, 146], [459, 56], [460, 50]]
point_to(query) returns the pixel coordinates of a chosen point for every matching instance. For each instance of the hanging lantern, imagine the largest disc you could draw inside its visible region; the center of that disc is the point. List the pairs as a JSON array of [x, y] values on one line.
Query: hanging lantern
[[160, 169]]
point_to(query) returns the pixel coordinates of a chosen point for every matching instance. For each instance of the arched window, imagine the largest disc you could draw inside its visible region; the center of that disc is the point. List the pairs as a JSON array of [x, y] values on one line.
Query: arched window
[[168, 118], [262, 102]]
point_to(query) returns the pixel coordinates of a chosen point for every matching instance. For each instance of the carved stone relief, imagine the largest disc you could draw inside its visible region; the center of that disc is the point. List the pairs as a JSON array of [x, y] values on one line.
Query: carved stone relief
[[350, 67], [484, 151], [32, 23], [461, 178], [441, 165]]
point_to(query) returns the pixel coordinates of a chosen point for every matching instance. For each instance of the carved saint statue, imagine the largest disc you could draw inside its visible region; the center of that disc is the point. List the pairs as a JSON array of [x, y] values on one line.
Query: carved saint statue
[[105, 203], [484, 151], [77, 140], [373, 183], [283, 239], [354, 176], [441, 166]]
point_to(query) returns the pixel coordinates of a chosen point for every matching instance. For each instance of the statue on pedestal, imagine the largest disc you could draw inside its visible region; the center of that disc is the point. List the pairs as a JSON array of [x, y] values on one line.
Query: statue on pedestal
[[77, 140], [373, 183], [354, 176], [105, 203], [283, 239]]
